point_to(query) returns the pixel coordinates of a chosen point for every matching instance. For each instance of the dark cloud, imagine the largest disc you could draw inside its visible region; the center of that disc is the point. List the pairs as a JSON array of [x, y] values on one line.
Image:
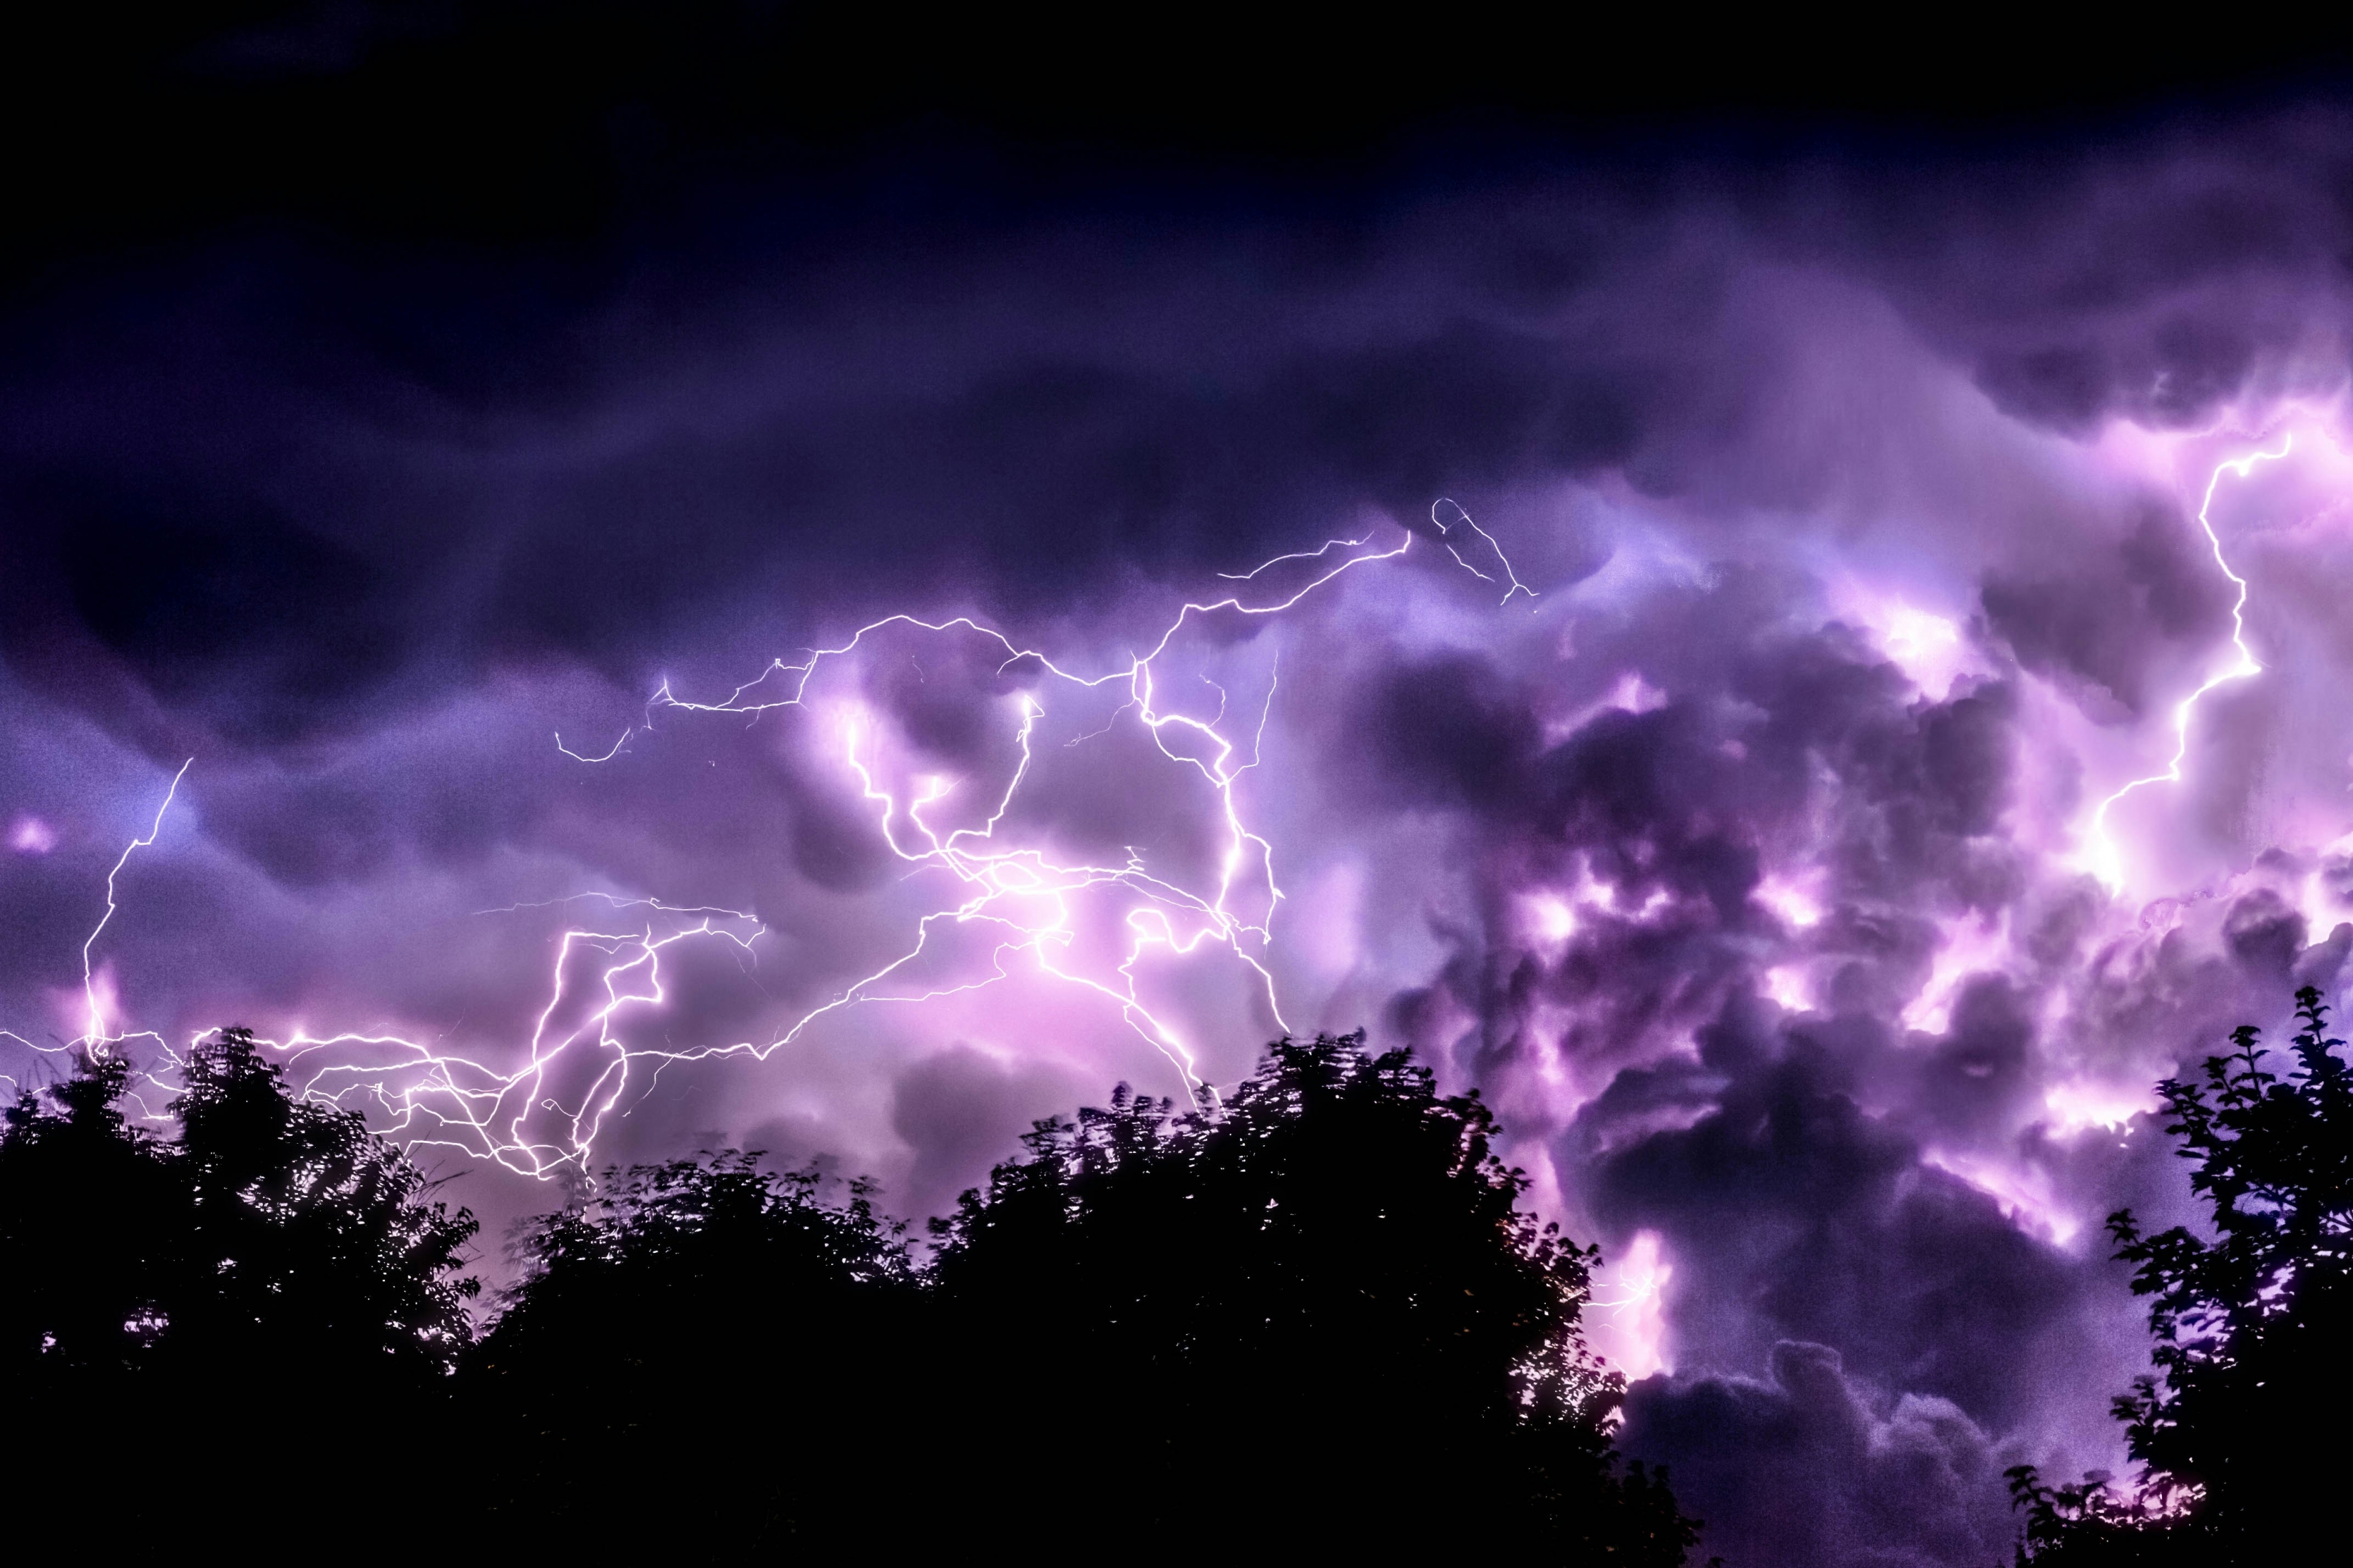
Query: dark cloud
[[2151, 282], [1804, 1216], [1721, 805], [1806, 1465], [1982, 1069], [962, 1112], [1450, 734], [2104, 622]]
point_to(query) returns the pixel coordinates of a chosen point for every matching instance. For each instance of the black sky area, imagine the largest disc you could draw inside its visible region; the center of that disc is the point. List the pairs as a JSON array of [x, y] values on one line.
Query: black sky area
[[457, 194], [562, 128]]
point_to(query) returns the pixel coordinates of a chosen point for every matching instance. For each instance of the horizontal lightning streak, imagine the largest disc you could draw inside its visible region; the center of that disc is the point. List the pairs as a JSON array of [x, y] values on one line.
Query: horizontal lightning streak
[[429, 1097]]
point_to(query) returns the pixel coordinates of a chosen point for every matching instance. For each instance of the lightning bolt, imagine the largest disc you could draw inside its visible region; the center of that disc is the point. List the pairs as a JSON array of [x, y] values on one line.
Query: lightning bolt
[[1636, 1284], [1025, 898], [2103, 856], [1462, 519], [95, 1037]]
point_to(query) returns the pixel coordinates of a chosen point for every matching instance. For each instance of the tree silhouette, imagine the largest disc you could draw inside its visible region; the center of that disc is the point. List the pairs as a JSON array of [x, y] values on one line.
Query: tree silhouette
[[2250, 1327], [87, 1237], [1312, 1318], [1314, 1312], [247, 1299], [310, 1248], [702, 1332]]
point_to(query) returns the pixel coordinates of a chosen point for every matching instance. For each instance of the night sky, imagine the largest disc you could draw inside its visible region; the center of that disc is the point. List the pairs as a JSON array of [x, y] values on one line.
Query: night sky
[[1728, 531]]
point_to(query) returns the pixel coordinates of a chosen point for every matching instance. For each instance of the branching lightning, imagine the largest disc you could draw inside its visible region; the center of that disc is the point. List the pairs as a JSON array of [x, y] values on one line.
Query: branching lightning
[[2104, 857], [1024, 897], [1462, 518]]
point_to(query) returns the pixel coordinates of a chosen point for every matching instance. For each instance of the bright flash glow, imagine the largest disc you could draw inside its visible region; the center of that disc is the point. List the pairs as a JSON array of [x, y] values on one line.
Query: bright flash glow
[[2024, 1195], [1793, 901], [1915, 636], [1628, 1326], [1021, 900], [1928, 648], [1971, 948], [29, 835], [1790, 986], [1551, 920], [2076, 1105], [2321, 894], [2101, 855], [1633, 694]]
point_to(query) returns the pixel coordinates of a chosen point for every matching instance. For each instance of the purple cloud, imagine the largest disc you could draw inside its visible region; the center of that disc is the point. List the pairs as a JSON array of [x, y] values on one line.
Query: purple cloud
[[1752, 862]]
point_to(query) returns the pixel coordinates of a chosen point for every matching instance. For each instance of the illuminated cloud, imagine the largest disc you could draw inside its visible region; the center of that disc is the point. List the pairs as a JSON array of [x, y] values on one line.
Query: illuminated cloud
[[1886, 713]]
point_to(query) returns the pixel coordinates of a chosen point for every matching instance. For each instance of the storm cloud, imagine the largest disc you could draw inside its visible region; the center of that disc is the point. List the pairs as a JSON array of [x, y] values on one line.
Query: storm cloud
[[1764, 568]]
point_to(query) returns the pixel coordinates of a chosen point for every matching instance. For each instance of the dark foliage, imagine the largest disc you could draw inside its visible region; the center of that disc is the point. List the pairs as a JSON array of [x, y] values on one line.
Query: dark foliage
[[310, 1250], [2250, 1326], [271, 1293], [87, 1241], [1311, 1319], [1331, 1325], [704, 1338]]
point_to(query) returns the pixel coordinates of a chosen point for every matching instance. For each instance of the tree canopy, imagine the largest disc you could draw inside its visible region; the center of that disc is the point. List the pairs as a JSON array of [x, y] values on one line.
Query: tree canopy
[[87, 1245], [2250, 1324], [272, 1281], [702, 1331], [1310, 1316], [1321, 1297], [310, 1241]]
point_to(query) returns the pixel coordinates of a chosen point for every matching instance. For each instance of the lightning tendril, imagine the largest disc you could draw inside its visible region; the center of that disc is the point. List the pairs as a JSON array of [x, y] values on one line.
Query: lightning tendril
[[2104, 858], [1021, 896]]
